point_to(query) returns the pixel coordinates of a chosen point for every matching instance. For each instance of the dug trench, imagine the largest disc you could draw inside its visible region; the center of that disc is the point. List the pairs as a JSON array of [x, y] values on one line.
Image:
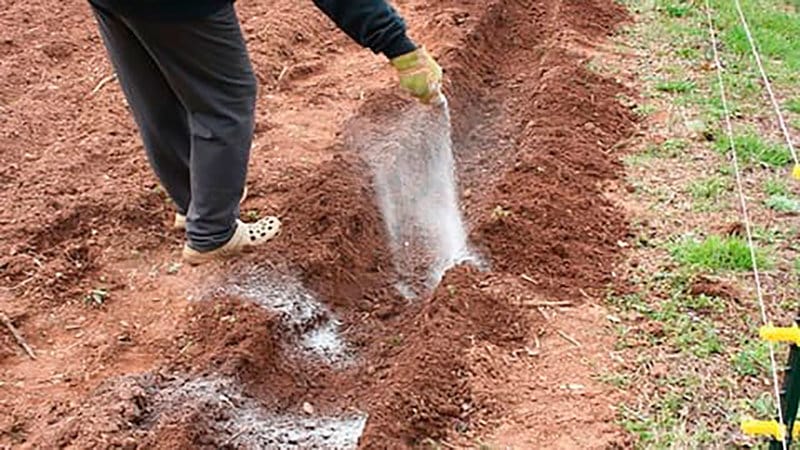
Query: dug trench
[[316, 349]]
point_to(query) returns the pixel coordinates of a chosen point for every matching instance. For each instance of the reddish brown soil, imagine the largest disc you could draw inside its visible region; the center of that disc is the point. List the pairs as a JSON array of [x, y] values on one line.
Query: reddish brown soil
[[714, 288], [534, 134]]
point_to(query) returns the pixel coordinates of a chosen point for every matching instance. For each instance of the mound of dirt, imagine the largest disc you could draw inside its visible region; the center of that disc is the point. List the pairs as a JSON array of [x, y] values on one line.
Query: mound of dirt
[[334, 235], [421, 389], [550, 219]]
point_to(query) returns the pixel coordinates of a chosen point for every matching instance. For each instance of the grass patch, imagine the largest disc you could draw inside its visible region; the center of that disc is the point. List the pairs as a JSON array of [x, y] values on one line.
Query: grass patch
[[618, 380], [709, 339], [782, 203], [751, 148], [698, 337], [671, 148], [793, 105], [674, 147], [717, 253], [775, 28], [676, 87], [645, 109], [776, 186], [752, 359], [709, 189]]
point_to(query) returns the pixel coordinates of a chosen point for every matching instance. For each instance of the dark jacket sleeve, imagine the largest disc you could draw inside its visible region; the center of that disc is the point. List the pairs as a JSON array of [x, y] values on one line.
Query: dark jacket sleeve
[[372, 23]]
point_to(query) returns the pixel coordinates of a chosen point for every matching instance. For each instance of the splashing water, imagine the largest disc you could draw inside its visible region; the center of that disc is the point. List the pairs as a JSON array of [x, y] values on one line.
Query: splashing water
[[415, 181]]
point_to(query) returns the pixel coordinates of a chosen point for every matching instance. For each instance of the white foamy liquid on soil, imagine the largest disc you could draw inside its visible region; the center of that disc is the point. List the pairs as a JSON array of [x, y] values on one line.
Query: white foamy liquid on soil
[[314, 327], [414, 176], [249, 425]]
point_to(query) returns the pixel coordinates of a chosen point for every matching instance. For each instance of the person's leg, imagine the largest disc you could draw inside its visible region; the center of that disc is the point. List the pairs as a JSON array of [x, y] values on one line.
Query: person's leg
[[206, 63], [162, 119]]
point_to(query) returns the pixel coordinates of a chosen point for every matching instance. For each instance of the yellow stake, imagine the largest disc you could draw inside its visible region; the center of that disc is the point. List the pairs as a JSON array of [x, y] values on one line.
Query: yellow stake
[[769, 428], [780, 334], [763, 428], [796, 172]]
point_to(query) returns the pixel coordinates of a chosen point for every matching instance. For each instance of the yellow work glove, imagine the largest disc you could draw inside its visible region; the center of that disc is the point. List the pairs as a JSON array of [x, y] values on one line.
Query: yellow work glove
[[420, 75]]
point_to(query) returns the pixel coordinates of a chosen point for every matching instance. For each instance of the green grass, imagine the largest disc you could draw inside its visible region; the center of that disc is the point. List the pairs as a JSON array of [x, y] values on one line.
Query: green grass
[[717, 253], [644, 109], [762, 406], [666, 426], [709, 189], [793, 105], [752, 148], [676, 86], [675, 9], [752, 359], [782, 203], [671, 148], [775, 28], [691, 333], [618, 380], [776, 186]]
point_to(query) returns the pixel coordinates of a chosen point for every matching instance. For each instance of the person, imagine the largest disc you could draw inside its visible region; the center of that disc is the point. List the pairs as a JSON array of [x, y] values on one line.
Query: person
[[186, 74]]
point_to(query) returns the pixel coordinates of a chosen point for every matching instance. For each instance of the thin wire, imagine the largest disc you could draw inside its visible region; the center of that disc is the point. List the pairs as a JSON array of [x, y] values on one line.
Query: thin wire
[[745, 214], [768, 85]]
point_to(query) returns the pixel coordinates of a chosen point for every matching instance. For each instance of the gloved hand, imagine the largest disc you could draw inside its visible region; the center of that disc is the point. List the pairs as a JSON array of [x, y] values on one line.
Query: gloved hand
[[420, 75]]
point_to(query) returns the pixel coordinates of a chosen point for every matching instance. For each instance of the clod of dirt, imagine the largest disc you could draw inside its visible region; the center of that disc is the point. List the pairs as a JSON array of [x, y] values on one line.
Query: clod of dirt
[[714, 288], [734, 229]]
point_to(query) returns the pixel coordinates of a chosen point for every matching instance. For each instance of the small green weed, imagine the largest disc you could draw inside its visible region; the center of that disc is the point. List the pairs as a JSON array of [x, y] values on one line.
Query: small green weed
[[776, 186], [674, 147], [782, 203], [752, 359], [677, 10], [709, 189], [618, 380], [752, 148], [689, 53], [690, 333], [762, 406], [645, 109], [703, 303], [793, 105], [173, 268], [716, 253], [676, 87]]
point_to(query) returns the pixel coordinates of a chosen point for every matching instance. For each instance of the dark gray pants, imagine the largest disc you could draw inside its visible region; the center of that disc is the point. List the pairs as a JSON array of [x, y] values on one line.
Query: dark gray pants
[[192, 91]]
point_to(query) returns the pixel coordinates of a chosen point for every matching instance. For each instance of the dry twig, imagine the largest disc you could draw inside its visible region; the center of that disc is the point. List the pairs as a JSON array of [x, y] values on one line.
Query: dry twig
[[17, 336], [548, 304], [103, 82], [569, 338]]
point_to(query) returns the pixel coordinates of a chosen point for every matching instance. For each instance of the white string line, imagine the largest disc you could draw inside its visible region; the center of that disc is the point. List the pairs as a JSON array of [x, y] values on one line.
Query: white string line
[[745, 214], [767, 83]]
